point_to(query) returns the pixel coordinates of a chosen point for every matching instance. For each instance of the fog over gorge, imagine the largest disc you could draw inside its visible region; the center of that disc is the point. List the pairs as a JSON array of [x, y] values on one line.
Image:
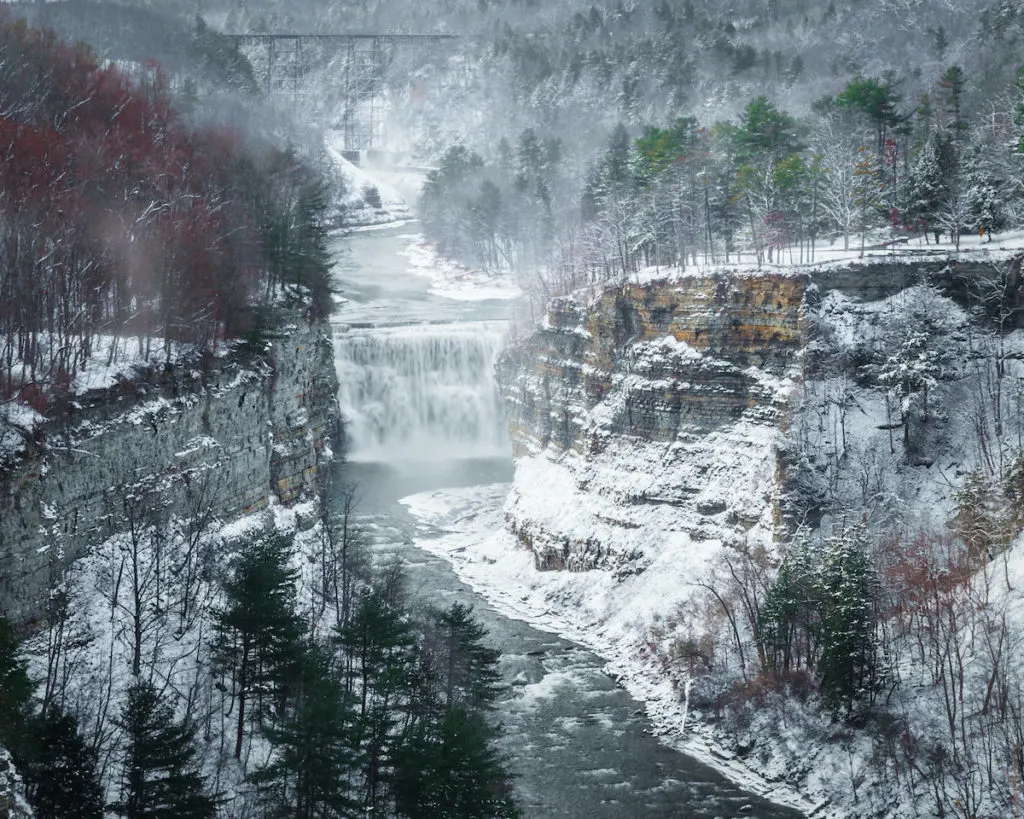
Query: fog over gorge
[[510, 408]]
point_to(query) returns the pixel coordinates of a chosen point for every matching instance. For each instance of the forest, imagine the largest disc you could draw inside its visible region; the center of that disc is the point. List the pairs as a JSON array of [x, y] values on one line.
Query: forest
[[261, 675], [129, 234], [179, 670], [863, 168], [615, 137]]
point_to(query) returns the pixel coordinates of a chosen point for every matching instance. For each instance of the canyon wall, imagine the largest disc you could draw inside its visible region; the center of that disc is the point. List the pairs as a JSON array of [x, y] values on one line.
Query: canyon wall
[[637, 408], [651, 415], [220, 435]]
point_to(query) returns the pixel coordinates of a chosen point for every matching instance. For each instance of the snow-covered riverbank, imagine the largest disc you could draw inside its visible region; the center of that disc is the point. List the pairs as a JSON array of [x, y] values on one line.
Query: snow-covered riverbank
[[594, 608]]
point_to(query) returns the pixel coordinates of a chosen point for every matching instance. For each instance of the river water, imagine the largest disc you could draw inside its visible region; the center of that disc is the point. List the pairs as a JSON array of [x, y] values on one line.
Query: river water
[[423, 413]]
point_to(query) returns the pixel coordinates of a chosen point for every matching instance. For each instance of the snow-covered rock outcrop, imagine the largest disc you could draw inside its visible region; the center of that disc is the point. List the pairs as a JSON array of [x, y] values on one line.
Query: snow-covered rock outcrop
[[651, 416], [12, 802], [223, 433]]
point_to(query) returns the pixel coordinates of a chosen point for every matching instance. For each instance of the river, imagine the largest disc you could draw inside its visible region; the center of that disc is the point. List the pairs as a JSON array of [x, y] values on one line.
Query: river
[[423, 413]]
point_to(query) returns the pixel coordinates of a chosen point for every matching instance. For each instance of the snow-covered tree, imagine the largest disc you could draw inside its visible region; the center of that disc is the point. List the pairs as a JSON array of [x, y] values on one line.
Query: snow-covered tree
[[849, 661], [983, 191], [839, 196], [160, 776], [61, 773], [914, 354]]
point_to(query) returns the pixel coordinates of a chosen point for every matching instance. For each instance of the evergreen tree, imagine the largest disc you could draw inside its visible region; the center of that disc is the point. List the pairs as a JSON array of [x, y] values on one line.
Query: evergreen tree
[[849, 662], [928, 183], [878, 100], [310, 256], [15, 694], [764, 132], [315, 748], [257, 633], [660, 148], [468, 668], [62, 779], [379, 649], [160, 779], [952, 85], [451, 769], [1018, 110], [444, 200], [789, 626], [447, 764], [983, 191]]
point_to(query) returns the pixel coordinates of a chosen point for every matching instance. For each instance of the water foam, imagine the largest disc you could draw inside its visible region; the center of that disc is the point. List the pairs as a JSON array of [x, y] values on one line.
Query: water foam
[[421, 392]]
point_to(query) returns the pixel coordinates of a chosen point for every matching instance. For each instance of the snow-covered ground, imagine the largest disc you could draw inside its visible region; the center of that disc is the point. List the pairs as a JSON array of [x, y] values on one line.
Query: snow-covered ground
[[452, 280], [998, 247], [608, 613], [90, 652], [394, 205], [629, 612], [112, 360]]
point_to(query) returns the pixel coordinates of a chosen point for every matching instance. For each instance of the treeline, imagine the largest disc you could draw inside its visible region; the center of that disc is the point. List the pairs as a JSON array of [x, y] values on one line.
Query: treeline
[[905, 639], [865, 166], [883, 631], [298, 683], [121, 222]]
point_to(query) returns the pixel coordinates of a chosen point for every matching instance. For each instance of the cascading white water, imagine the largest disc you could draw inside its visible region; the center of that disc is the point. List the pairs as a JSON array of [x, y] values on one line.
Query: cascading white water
[[421, 392]]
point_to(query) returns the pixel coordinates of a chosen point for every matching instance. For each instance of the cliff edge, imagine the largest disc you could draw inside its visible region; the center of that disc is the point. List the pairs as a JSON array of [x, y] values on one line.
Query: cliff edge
[[213, 437]]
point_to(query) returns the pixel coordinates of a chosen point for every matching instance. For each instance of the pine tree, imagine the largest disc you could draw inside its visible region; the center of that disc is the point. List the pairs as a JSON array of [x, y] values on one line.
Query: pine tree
[[447, 764], [984, 193], [451, 769], [789, 626], [62, 779], [15, 694], [379, 646], [928, 183], [257, 633], [315, 748], [849, 663], [765, 132], [160, 779], [952, 84], [468, 668], [878, 100]]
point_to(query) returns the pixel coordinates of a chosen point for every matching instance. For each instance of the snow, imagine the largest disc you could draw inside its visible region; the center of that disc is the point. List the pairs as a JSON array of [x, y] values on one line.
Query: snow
[[16, 424], [601, 610], [394, 205], [116, 358], [113, 360], [452, 280], [98, 653], [632, 506], [999, 247]]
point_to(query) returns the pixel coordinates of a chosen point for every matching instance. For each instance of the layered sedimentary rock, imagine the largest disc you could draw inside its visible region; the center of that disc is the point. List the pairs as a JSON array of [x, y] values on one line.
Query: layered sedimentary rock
[[225, 433], [656, 412], [653, 411]]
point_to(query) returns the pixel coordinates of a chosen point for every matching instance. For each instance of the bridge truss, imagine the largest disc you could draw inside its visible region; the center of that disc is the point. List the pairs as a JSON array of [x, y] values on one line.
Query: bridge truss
[[366, 57]]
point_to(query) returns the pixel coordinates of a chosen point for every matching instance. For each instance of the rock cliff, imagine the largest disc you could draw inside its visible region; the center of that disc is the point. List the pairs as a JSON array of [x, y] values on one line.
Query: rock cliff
[[655, 407], [657, 411], [222, 434], [12, 802]]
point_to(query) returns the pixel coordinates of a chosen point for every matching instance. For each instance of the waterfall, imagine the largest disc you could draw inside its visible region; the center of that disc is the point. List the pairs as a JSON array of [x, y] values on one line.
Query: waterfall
[[422, 391]]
